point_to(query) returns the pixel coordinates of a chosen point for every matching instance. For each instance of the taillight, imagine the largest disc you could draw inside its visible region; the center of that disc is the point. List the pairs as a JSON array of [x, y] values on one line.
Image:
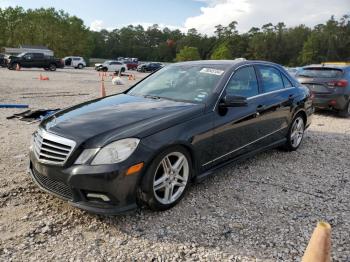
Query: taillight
[[312, 95], [338, 83]]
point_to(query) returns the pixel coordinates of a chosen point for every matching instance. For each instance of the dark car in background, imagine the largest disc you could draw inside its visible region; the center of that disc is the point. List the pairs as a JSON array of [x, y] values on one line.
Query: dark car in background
[[2, 60], [178, 125], [330, 85], [38, 60], [149, 67]]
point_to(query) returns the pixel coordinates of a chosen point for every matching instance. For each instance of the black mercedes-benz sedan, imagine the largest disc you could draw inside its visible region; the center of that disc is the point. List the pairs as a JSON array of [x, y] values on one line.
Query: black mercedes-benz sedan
[[178, 125]]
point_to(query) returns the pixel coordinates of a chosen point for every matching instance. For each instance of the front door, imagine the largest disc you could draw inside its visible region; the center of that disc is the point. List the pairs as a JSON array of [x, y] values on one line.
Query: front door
[[235, 128], [28, 60]]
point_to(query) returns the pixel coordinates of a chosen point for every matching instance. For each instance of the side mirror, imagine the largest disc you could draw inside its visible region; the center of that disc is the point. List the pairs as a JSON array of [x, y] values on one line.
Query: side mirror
[[233, 101]]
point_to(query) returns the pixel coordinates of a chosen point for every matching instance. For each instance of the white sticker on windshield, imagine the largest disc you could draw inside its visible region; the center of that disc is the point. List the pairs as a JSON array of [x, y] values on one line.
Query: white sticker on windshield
[[212, 71]]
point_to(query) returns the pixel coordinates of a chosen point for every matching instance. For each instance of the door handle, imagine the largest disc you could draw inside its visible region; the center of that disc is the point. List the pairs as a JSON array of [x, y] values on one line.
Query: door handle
[[260, 108]]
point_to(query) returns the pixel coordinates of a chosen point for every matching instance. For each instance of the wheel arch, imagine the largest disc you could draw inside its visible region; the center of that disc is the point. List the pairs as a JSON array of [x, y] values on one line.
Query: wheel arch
[[186, 145], [301, 112]]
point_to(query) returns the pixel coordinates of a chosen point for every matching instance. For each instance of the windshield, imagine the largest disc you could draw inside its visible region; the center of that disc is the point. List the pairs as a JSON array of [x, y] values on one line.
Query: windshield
[[320, 72], [192, 83]]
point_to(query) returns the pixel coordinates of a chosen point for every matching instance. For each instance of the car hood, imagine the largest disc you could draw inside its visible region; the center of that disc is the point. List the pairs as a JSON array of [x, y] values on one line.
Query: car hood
[[104, 120]]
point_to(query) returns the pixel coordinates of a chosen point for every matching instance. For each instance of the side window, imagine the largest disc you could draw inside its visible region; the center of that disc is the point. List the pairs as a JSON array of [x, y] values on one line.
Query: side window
[[243, 83], [38, 55], [286, 81], [271, 78], [28, 56]]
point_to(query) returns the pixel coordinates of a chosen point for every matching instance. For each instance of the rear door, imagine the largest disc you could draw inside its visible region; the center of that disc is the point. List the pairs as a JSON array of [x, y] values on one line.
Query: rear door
[[275, 103], [39, 60]]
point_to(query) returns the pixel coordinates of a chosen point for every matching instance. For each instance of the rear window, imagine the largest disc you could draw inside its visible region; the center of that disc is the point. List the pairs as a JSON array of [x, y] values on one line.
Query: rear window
[[320, 72]]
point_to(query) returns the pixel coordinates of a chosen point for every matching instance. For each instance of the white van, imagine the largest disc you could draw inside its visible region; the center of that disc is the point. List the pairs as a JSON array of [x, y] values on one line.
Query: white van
[[74, 61]]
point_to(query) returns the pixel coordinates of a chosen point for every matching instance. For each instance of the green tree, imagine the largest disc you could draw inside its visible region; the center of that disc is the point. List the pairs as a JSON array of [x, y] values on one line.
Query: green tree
[[222, 52], [188, 54]]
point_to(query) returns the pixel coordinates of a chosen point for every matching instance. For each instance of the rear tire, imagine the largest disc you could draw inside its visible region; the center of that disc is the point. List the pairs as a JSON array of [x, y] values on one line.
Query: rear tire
[[346, 111], [80, 66], [52, 67], [167, 179], [122, 70], [295, 133]]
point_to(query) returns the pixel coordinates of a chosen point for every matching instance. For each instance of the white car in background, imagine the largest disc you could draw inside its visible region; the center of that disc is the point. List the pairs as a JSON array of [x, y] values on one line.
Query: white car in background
[[112, 66], [74, 61]]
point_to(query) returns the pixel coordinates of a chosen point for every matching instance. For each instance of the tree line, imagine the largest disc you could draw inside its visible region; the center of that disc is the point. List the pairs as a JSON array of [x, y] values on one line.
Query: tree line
[[67, 35]]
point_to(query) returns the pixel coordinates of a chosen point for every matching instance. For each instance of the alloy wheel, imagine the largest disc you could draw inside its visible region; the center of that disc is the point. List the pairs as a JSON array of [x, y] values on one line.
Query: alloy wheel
[[297, 132], [171, 178]]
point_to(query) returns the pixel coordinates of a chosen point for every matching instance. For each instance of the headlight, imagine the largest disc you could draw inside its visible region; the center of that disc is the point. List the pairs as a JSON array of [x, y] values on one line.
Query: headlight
[[112, 153]]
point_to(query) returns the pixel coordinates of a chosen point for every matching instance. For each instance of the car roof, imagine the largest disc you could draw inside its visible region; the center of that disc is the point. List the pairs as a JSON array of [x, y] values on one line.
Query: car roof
[[328, 66], [229, 64]]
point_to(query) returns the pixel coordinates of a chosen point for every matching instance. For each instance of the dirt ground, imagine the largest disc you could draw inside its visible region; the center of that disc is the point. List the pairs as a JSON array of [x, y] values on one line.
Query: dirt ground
[[263, 209]]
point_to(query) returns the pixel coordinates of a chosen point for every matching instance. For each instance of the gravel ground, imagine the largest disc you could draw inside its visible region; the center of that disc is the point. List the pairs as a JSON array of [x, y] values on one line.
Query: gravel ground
[[262, 209]]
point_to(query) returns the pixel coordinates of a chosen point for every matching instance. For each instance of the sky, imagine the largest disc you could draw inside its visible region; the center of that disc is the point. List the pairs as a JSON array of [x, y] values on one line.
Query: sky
[[200, 14]]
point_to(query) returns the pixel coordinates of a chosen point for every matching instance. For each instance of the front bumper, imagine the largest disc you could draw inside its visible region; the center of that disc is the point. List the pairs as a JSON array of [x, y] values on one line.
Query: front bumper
[[76, 182], [330, 101]]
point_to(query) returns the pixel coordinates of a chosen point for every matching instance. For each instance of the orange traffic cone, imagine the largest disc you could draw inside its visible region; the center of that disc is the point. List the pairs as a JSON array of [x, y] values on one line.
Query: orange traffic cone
[[40, 77], [319, 247], [102, 88], [18, 68], [130, 77]]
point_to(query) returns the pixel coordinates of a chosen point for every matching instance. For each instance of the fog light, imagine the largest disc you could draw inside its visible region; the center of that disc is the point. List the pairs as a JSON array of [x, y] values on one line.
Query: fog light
[[98, 196]]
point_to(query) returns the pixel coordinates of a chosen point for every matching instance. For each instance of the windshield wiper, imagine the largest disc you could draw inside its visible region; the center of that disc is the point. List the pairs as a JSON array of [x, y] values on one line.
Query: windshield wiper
[[305, 76], [152, 97]]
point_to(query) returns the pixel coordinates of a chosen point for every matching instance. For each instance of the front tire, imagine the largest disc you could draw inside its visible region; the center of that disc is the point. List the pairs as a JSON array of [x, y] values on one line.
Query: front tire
[[80, 66], [167, 179], [52, 67], [295, 134], [15, 65]]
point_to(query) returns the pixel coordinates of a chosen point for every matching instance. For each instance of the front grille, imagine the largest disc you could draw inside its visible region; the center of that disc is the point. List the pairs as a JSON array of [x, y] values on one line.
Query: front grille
[[50, 148], [52, 185]]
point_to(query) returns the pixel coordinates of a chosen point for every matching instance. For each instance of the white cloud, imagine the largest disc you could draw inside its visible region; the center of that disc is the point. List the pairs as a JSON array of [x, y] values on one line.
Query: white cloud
[[249, 13], [97, 25]]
